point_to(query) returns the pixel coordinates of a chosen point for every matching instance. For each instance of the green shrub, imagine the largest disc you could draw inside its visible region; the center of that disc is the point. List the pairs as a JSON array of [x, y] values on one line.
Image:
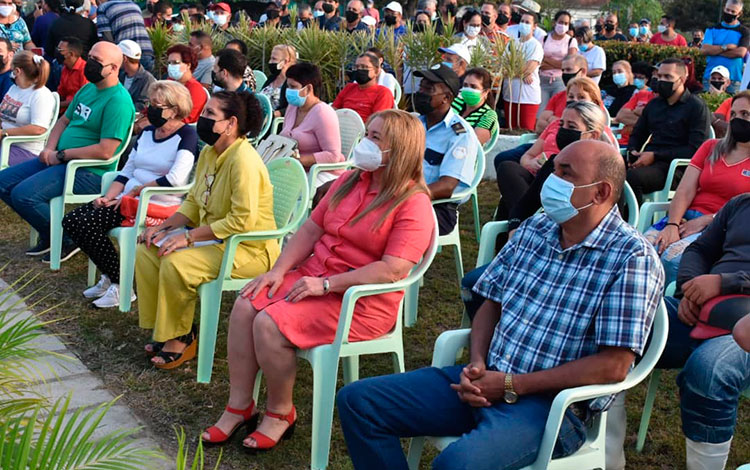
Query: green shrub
[[634, 52], [713, 101]]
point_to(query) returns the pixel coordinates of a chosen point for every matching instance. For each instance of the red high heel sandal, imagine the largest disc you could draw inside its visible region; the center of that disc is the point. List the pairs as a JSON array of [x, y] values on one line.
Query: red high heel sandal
[[218, 437], [265, 443]]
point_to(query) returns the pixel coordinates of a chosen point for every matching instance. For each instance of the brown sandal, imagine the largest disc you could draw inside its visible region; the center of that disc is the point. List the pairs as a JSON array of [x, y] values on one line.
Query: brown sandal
[[172, 360]]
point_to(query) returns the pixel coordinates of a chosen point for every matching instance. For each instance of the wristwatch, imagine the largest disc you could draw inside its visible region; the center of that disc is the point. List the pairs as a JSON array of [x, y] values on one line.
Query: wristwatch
[[326, 286], [189, 239], [61, 155], [724, 47], [510, 395]]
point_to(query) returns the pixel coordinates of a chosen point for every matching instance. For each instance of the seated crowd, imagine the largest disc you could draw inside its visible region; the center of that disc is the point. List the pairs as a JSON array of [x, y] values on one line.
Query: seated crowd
[[571, 296]]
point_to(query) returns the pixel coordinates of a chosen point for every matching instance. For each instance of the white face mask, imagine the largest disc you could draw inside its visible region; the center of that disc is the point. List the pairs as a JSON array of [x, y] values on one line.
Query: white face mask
[[367, 155], [473, 31], [7, 10], [220, 20], [177, 27], [561, 28]]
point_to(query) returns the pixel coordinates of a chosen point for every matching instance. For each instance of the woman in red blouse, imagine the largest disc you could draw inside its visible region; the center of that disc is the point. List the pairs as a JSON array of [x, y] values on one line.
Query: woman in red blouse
[[181, 61], [296, 304]]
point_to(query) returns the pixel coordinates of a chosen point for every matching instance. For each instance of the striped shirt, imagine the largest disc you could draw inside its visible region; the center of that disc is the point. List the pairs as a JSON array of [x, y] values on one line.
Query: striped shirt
[[125, 21], [483, 117], [561, 305]]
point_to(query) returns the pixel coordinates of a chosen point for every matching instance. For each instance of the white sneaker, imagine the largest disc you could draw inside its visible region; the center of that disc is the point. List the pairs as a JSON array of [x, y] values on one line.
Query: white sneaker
[[98, 290], [111, 298]]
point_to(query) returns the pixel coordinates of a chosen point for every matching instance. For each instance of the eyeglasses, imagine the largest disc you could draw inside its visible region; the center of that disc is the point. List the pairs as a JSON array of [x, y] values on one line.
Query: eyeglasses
[[174, 62], [209, 185]]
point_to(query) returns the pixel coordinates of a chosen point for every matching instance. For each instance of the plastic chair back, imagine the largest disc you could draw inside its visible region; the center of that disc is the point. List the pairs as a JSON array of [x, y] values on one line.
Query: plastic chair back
[[632, 204], [490, 144], [265, 103], [711, 135], [397, 96], [16, 139], [260, 79], [527, 139], [351, 129], [287, 182]]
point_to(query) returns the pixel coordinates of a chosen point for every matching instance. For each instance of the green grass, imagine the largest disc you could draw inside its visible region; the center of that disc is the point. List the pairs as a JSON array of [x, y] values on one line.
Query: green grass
[[111, 344]]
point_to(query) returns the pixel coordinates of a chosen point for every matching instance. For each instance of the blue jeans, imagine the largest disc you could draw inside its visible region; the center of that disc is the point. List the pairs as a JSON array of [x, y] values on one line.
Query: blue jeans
[[672, 256], [376, 412], [512, 155], [28, 187], [472, 300], [714, 374]]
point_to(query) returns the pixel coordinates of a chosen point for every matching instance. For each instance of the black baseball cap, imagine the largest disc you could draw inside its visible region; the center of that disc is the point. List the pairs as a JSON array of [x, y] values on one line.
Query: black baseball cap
[[441, 74]]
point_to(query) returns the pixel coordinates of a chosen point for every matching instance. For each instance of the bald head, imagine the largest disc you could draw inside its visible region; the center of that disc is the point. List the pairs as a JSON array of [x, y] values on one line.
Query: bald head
[[109, 56], [591, 161], [106, 52]]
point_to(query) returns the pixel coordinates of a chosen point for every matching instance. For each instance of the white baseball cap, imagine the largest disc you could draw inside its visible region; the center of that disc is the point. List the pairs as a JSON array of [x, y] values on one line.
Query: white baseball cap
[[395, 7], [458, 49], [130, 49], [368, 20], [721, 70]]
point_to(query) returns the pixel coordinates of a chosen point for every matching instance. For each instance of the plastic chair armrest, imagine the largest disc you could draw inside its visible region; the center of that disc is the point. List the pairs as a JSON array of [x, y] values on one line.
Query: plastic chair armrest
[[145, 197], [648, 209], [318, 167], [490, 231], [447, 346], [75, 165]]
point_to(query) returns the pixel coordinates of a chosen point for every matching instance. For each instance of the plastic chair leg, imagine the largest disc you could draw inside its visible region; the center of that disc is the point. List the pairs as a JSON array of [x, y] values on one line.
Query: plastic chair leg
[[398, 361], [127, 270], [416, 445], [325, 370], [33, 238], [351, 369], [91, 276], [56, 212], [411, 304], [653, 385], [459, 262], [477, 221], [210, 297]]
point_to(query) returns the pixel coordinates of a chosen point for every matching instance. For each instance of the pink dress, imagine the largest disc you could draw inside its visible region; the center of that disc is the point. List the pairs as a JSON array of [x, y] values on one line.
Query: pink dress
[[318, 134], [344, 247]]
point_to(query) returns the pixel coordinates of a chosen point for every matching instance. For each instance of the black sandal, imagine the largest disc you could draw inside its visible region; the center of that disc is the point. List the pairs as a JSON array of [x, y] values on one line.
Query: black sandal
[[173, 360], [156, 347]]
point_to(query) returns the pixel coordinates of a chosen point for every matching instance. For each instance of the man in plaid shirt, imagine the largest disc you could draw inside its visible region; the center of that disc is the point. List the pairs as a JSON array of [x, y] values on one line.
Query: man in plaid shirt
[[570, 302], [117, 20]]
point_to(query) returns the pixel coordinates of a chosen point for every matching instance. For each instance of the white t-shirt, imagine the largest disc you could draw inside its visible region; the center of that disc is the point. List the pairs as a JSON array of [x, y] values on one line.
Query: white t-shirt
[[24, 106], [388, 81], [597, 59], [556, 49], [539, 33], [523, 93]]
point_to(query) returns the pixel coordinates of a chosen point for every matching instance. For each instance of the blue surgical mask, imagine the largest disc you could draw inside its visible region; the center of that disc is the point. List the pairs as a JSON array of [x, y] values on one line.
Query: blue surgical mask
[[633, 32], [448, 64], [644, 30], [318, 13], [524, 29], [583, 47], [178, 28], [639, 83], [174, 72], [555, 195], [293, 98], [620, 79]]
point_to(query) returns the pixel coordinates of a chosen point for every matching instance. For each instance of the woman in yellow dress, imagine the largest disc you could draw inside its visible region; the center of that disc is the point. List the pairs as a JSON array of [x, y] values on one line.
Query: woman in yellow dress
[[232, 194]]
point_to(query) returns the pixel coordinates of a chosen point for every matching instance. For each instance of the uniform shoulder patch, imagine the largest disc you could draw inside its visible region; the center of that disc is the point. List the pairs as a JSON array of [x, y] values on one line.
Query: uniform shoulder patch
[[458, 128]]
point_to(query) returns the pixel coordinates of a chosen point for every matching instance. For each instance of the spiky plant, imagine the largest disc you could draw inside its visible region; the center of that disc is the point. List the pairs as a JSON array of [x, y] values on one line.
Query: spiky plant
[[512, 64], [260, 43], [482, 57], [161, 39], [324, 49], [293, 15], [421, 49], [183, 453], [393, 51]]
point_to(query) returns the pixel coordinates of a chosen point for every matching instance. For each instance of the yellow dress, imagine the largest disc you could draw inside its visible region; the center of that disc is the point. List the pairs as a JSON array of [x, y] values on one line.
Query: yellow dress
[[233, 194]]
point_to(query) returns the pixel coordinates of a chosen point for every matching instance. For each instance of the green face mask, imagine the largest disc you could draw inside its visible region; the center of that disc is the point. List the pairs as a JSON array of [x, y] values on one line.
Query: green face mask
[[471, 96]]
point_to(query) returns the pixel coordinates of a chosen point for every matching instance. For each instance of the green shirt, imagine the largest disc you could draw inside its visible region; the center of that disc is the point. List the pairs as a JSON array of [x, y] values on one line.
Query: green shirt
[[95, 115], [483, 117]]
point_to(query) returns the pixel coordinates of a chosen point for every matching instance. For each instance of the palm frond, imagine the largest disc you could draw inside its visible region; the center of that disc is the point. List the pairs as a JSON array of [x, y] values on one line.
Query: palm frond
[[183, 453]]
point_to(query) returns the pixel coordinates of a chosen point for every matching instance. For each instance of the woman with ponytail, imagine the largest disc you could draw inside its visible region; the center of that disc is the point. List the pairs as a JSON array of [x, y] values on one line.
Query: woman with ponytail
[[28, 107], [232, 193]]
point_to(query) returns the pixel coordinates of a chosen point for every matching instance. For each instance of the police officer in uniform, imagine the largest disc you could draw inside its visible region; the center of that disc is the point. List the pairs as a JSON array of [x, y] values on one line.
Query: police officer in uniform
[[451, 146]]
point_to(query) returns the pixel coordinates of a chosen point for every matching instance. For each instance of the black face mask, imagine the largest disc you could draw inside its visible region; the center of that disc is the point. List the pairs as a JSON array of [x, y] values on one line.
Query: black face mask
[[154, 116], [566, 137], [423, 103], [93, 71], [515, 17], [566, 77], [740, 130], [716, 84], [59, 57], [728, 17], [502, 19], [272, 14], [419, 27], [568, 103], [361, 76], [205, 130], [217, 81], [665, 89], [327, 7], [2, 62], [609, 27], [390, 20], [351, 16], [697, 41], [652, 83], [451, 9], [273, 72], [486, 20], [598, 28]]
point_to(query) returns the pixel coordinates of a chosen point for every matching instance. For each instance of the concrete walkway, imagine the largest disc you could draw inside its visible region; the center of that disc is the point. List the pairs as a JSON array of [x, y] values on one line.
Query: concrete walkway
[[88, 391]]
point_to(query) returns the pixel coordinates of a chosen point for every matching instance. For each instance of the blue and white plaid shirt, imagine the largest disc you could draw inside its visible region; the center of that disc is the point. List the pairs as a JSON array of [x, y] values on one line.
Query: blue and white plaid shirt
[[560, 305], [124, 20]]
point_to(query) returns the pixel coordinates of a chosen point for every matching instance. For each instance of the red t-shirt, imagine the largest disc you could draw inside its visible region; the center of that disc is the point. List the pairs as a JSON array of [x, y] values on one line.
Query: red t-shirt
[[725, 108], [678, 41], [365, 101], [640, 98], [549, 137], [557, 103], [199, 96], [71, 80], [718, 182]]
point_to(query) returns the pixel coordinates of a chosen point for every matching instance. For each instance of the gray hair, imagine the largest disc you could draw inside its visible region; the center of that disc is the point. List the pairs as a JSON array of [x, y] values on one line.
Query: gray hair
[[735, 2], [422, 5], [173, 94]]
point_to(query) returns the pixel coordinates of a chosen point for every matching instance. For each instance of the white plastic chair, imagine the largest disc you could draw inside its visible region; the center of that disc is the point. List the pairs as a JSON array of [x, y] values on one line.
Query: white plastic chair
[[592, 453], [17, 139], [488, 146], [397, 96], [351, 129], [666, 194], [325, 359], [260, 79], [451, 239], [57, 204]]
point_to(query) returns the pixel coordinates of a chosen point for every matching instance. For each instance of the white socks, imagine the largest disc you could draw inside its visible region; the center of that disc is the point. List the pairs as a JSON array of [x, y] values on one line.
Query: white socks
[[615, 439], [706, 456]]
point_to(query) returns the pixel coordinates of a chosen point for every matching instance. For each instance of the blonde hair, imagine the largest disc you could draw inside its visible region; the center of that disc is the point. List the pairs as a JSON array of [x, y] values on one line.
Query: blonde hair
[[173, 94], [289, 51], [588, 86], [33, 66], [405, 136], [593, 118], [628, 69]]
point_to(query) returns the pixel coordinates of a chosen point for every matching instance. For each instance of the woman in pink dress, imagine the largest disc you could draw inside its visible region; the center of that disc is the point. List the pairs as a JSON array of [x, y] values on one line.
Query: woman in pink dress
[[384, 202]]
